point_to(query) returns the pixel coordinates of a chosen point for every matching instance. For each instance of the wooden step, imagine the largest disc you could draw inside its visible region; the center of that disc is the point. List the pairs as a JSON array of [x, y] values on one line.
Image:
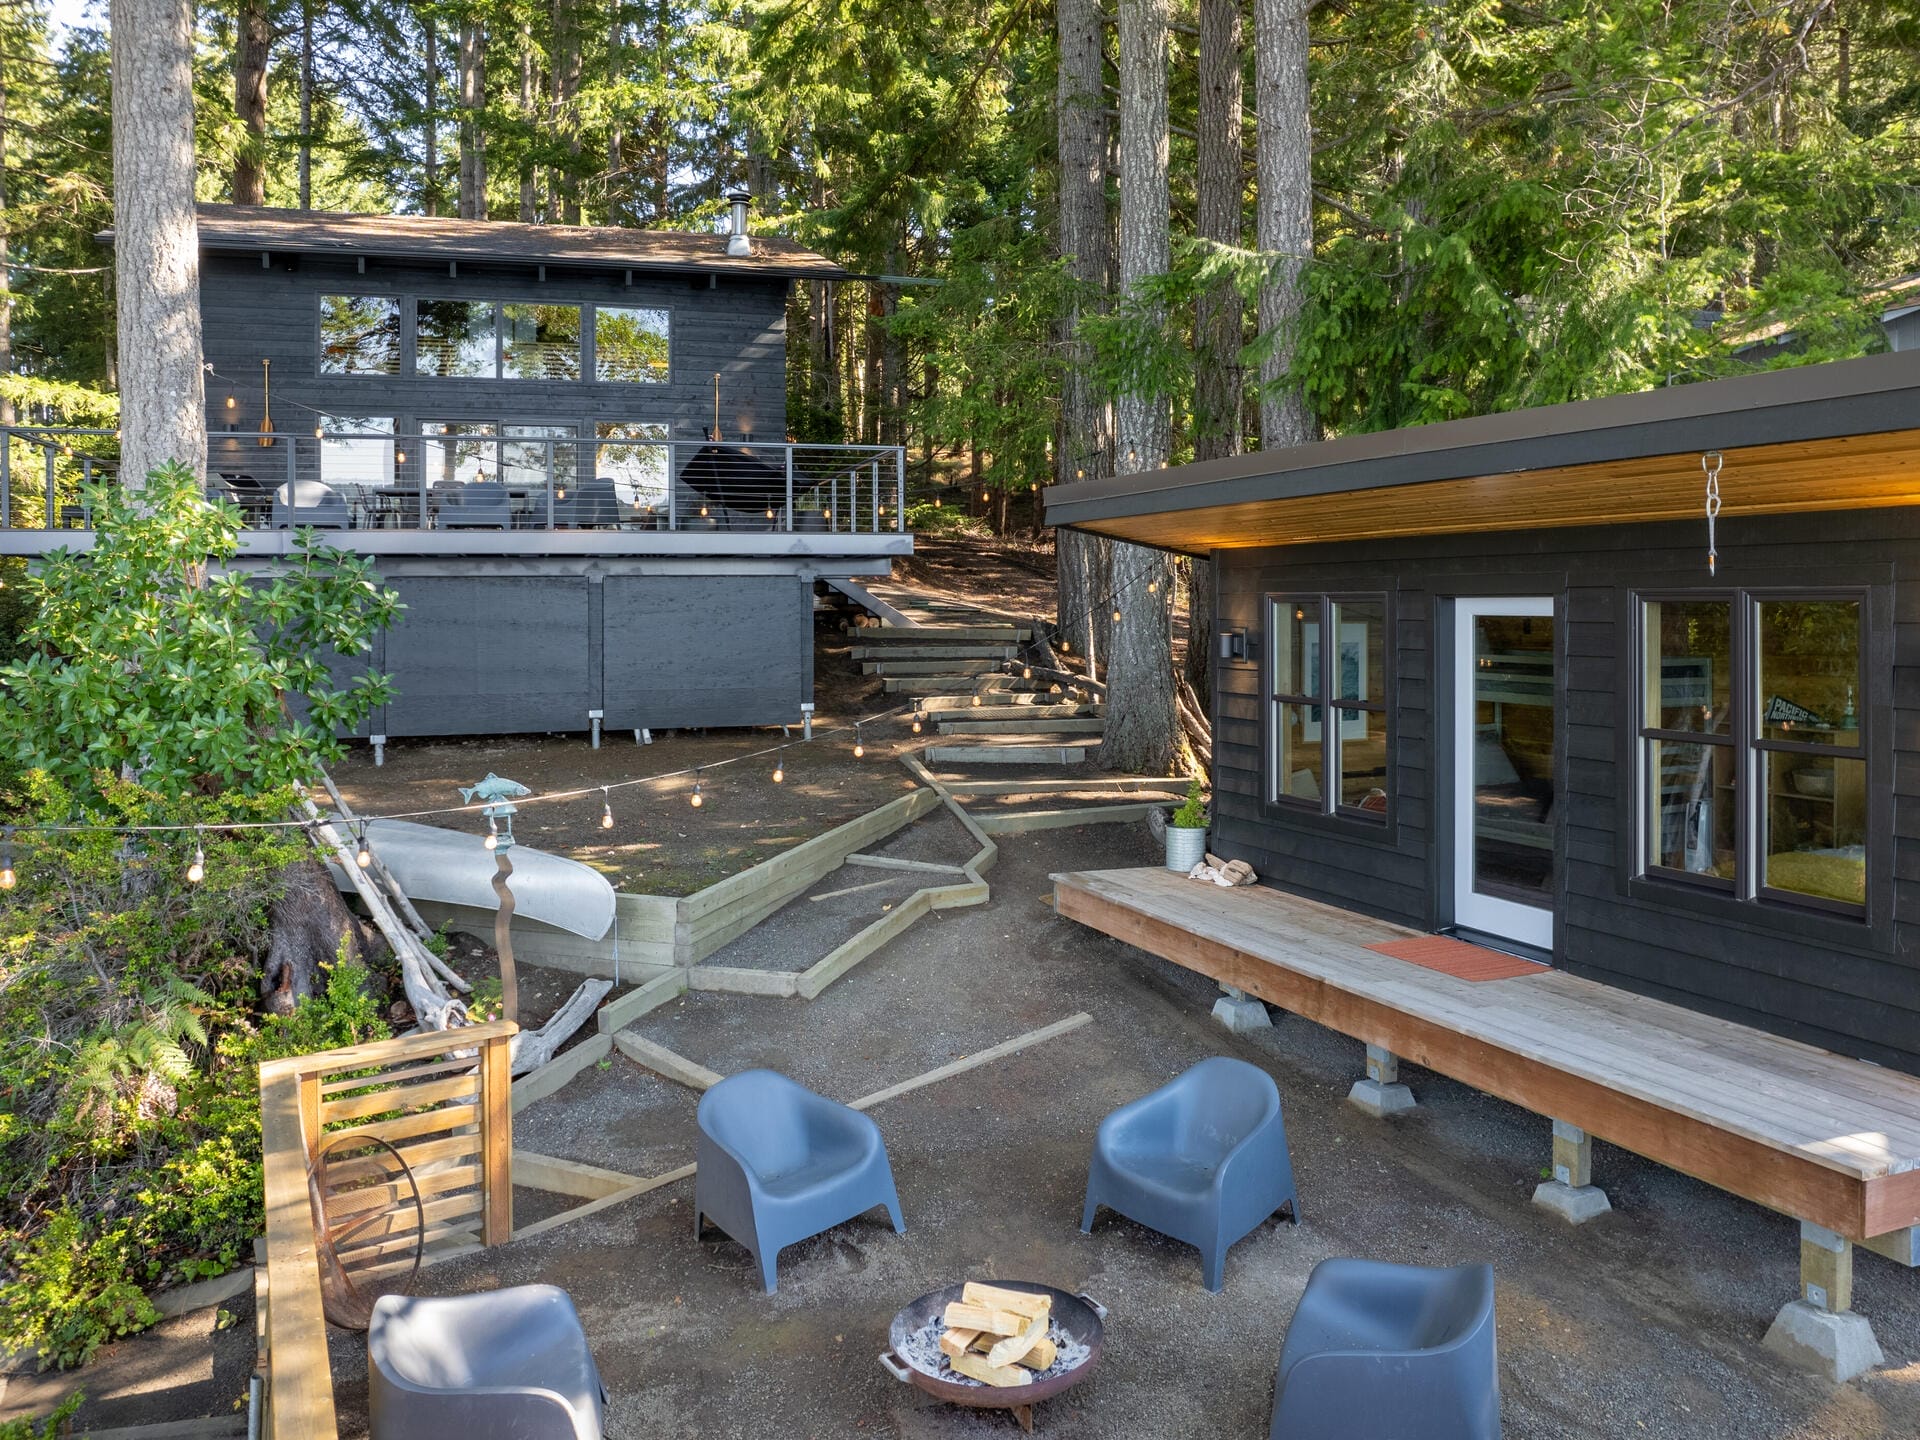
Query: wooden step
[[933, 652], [924, 634], [992, 709], [926, 684], [933, 667], [988, 752], [1077, 725]]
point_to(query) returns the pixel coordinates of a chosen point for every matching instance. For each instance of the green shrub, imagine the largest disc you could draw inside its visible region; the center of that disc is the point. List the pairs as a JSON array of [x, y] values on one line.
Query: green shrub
[[927, 518], [47, 1427]]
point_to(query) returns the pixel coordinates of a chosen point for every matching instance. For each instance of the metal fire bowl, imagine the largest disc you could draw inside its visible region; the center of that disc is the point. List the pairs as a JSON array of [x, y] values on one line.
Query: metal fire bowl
[[1078, 1316]]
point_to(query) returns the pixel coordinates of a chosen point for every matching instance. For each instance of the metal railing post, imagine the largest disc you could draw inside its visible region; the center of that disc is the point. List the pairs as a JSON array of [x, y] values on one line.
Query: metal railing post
[[788, 525], [900, 488], [550, 497], [51, 502], [673, 487], [420, 460], [293, 474], [6, 479], [874, 518]]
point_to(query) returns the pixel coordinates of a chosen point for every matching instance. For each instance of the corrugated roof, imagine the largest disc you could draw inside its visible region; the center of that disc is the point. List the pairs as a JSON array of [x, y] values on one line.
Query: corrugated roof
[[321, 232]]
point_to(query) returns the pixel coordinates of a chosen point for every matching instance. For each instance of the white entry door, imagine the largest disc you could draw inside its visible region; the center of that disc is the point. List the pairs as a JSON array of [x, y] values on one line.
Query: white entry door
[[1503, 768]]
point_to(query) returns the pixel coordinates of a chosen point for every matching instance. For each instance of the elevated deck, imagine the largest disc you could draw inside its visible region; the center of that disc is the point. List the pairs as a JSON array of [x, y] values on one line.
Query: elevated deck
[[1825, 1139]]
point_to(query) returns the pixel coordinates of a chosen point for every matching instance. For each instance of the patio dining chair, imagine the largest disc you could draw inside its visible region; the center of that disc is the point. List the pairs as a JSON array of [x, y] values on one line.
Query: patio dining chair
[[501, 1365], [483, 505], [1203, 1159], [778, 1163], [1380, 1352]]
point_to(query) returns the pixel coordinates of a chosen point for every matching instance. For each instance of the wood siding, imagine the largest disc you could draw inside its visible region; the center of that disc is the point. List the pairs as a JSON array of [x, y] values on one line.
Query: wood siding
[[1849, 985], [735, 327]]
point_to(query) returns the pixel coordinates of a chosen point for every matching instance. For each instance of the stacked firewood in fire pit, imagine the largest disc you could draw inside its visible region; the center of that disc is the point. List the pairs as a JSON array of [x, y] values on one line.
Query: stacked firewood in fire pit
[[998, 1336]]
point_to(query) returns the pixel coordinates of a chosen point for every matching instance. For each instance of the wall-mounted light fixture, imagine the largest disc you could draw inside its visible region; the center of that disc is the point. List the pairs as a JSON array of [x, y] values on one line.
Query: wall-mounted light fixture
[[1232, 644]]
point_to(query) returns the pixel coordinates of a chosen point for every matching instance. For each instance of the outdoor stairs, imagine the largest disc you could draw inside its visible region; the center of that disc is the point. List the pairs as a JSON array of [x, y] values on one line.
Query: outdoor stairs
[[962, 665]]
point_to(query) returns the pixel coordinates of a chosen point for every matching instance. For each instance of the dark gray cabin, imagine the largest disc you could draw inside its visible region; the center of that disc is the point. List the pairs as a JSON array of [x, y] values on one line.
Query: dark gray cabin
[[566, 447], [1555, 728]]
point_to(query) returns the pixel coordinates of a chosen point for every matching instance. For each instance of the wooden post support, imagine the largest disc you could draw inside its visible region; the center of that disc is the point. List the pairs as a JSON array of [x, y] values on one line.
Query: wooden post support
[[1571, 1194], [1820, 1331], [496, 1138], [1381, 1094]]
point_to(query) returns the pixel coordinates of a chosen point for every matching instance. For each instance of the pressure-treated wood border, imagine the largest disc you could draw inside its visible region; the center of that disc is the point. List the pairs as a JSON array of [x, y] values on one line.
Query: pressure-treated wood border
[[1851, 1205]]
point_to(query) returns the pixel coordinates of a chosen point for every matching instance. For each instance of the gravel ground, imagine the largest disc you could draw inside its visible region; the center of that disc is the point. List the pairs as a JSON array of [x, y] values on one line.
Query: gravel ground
[[1644, 1323]]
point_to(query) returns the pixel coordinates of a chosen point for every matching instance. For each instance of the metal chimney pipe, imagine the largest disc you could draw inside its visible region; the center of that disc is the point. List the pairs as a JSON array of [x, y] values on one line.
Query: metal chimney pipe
[[739, 242]]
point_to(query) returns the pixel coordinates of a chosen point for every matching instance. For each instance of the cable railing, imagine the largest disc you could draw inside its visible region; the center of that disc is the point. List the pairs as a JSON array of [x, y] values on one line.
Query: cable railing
[[475, 481]]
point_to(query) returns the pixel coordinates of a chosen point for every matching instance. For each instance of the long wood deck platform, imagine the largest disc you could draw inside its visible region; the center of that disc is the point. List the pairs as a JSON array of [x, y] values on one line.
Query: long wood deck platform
[[1817, 1136]]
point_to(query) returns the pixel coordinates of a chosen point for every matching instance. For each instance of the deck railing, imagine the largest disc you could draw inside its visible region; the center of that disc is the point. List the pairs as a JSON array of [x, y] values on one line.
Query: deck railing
[[376, 480], [443, 1101]]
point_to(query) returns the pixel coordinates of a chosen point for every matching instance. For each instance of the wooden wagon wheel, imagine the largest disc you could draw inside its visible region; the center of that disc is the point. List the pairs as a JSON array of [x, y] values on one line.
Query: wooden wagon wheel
[[362, 1190]]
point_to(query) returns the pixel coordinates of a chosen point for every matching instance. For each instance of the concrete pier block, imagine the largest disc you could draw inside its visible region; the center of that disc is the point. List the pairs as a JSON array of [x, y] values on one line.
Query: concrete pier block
[[1381, 1094], [1240, 1012], [1836, 1345], [1571, 1194]]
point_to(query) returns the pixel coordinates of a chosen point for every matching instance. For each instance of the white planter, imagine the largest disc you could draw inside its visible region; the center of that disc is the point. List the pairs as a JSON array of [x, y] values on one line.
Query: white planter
[[1185, 848]]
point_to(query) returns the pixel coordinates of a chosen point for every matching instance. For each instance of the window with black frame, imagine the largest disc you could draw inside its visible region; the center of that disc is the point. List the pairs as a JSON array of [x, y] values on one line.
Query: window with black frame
[[1328, 757], [1752, 751]]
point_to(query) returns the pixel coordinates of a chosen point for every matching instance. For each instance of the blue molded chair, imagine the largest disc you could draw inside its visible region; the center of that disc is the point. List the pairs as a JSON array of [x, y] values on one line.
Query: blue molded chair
[[778, 1163], [482, 505], [1382, 1352], [501, 1365], [1203, 1159]]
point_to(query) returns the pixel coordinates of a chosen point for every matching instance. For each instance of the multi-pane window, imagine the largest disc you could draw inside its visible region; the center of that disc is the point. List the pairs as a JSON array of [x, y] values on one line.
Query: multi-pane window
[[630, 344], [456, 338], [359, 335], [356, 451], [634, 454], [1752, 755], [540, 342], [1330, 757]]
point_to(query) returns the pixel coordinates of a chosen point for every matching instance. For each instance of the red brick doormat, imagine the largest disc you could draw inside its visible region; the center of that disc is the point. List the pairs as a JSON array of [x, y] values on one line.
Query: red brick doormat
[[1458, 958]]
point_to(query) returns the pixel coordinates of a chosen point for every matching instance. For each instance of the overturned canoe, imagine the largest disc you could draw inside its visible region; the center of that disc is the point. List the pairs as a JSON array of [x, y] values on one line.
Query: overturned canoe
[[454, 867]]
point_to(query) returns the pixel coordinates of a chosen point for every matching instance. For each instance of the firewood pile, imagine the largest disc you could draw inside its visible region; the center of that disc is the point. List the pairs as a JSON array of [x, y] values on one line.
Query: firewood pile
[[998, 1336]]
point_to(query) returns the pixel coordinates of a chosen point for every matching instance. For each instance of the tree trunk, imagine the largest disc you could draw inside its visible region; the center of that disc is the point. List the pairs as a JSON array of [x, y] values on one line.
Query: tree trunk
[[1285, 213], [1142, 728], [306, 105], [529, 200], [156, 240], [430, 140], [659, 131], [566, 90], [308, 926], [1085, 448], [253, 42], [6, 275], [1218, 422], [473, 139]]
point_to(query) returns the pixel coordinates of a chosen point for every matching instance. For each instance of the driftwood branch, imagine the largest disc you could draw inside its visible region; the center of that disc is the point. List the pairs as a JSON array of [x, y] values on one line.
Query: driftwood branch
[[531, 1049]]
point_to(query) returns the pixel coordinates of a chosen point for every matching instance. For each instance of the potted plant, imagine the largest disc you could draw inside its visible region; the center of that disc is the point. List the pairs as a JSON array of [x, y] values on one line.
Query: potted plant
[[1187, 831]]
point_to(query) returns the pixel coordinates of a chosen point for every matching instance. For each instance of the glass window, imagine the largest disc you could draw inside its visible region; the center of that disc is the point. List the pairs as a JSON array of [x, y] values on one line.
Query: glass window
[[1347, 769], [634, 455], [356, 450], [630, 344], [1751, 727], [455, 338], [540, 342], [359, 335]]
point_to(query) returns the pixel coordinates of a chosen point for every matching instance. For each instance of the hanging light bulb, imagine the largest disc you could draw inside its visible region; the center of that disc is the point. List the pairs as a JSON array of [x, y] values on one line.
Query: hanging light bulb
[[231, 402], [197, 871], [1079, 474], [318, 432], [976, 700], [606, 808], [780, 766], [1116, 614], [1026, 672], [695, 800], [400, 457], [6, 860], [1153, 587], [492, 842], [859, 750], [363, 857], [916, 717]]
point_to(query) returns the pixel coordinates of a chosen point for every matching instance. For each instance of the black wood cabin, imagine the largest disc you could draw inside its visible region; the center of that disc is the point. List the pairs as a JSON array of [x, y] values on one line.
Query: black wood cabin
[[566, 447], [1555, 729]]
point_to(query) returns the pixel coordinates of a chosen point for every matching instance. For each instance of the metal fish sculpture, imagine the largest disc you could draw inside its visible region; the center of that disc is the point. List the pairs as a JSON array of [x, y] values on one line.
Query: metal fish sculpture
[[493, 789]]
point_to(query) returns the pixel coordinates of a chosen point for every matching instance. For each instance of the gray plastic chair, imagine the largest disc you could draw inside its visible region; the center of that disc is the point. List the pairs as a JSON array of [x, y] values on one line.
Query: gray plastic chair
[[1383, 1352], [501, 1365], [483, 505], [778, 1163], [1203, 1159], [308, 502]]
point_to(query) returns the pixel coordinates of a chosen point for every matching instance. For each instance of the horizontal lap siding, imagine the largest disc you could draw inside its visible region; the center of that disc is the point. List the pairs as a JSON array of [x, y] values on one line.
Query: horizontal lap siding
[[1855, 989], [707, 650]]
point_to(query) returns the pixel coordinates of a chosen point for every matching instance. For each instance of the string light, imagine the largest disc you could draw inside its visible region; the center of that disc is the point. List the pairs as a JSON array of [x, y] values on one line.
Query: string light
[[859, 750], [363, 857], [492, 842], [780, 766], [6, 860], [1153, 587], [916, 717], [1026, 672], [1116, 614], [197, 871], [696, 801], [976, 700], [606, 808]]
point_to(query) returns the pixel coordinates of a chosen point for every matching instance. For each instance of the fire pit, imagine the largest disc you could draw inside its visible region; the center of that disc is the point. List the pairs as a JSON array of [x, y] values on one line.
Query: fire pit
[[915, 1355]]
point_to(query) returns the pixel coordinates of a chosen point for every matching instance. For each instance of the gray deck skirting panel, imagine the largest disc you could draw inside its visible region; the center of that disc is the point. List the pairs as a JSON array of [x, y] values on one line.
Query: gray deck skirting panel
[[1814, 402]]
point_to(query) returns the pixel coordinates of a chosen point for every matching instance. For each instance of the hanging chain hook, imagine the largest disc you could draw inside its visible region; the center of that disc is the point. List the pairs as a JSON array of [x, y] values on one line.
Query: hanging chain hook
[[1710, 463]]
